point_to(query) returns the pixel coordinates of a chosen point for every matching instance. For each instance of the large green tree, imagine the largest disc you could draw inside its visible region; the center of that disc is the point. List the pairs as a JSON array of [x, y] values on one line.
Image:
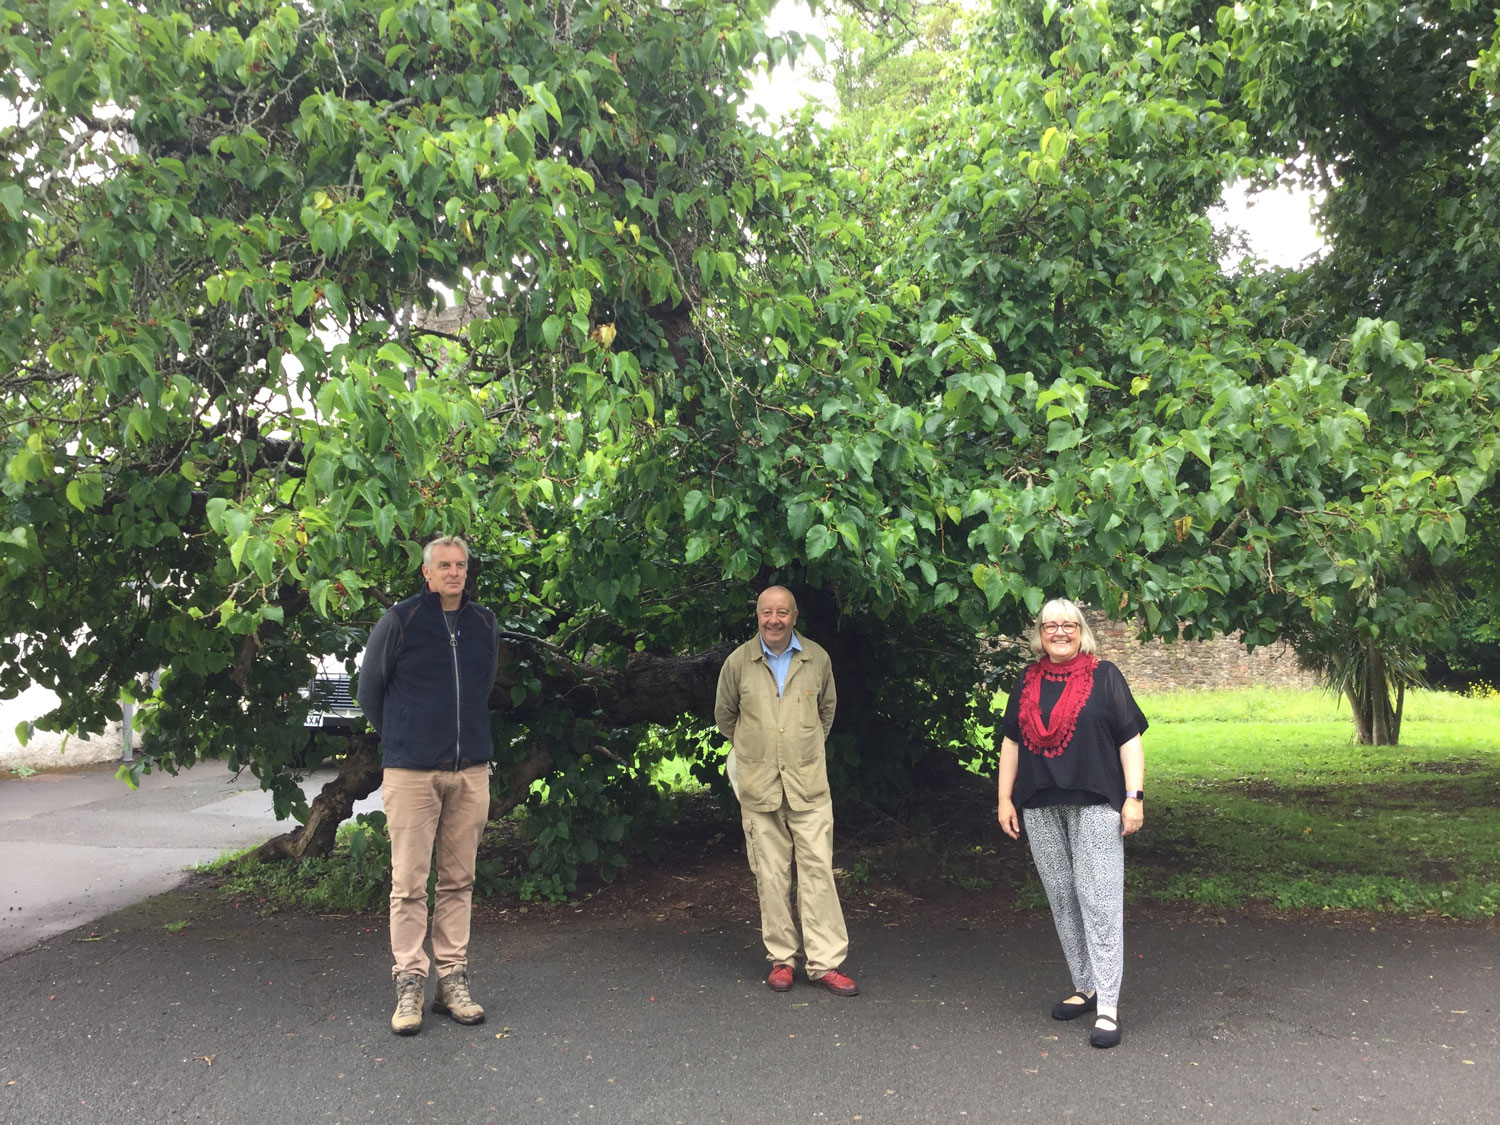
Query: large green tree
[[1385, 110], [1381, 110], [884, 61], [229, 419], [926, 390], [228, 228]]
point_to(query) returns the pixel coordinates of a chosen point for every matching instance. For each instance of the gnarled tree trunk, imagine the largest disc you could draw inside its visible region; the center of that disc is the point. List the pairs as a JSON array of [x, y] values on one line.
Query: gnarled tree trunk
[[358, 777], [650, 688]]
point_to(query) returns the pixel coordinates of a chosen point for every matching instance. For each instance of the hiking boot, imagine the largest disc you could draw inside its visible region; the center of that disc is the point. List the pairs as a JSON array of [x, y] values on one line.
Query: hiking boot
[[408, 1017], [453, 998]]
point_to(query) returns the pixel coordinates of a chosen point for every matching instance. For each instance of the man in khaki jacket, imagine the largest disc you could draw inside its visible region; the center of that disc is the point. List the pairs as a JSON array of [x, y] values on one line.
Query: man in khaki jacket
[[775, 704]]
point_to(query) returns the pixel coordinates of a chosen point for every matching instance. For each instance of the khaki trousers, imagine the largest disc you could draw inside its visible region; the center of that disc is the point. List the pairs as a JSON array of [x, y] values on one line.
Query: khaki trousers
[[772, 841], [426, 808]]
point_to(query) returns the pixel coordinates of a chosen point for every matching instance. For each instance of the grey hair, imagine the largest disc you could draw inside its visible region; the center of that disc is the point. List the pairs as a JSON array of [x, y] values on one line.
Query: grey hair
[[1061, 609], [444, 541]]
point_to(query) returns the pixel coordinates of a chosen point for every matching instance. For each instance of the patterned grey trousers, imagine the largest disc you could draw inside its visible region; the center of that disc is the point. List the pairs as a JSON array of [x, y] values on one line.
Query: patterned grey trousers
[[1080, 856]]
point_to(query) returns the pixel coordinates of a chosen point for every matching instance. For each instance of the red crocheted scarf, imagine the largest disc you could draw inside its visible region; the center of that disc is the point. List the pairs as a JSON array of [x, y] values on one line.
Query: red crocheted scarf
[[1051, 739]]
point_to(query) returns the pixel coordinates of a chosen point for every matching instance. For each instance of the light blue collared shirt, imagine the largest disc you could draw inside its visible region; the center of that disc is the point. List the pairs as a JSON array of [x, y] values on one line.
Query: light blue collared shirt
[[781, 665]]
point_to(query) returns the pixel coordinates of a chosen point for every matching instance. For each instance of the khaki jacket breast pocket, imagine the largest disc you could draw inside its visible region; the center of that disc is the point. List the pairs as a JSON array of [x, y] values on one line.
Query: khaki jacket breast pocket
[[807, 710]]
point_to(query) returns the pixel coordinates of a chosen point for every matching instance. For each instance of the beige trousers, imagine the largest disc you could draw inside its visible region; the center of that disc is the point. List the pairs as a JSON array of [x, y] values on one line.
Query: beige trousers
[[446, 809], [772, 842]]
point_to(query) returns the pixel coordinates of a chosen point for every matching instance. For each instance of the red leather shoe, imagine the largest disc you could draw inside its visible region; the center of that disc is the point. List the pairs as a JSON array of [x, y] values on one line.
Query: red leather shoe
[[838, 984], [780, 979]]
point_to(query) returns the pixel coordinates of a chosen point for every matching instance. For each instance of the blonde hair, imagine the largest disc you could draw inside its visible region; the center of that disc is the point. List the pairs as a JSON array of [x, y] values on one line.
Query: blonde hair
[[1061, 609]]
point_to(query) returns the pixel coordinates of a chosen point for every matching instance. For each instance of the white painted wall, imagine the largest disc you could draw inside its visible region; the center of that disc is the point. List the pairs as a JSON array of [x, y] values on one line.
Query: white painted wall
[[46, 750]]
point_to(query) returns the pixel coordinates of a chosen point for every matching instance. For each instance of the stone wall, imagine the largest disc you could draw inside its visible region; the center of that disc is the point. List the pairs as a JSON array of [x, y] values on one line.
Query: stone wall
[[1219, 663]]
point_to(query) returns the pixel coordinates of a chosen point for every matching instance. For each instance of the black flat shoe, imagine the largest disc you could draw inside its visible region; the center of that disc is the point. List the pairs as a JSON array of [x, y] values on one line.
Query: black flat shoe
[[1062, 1010], [1103, 1036]]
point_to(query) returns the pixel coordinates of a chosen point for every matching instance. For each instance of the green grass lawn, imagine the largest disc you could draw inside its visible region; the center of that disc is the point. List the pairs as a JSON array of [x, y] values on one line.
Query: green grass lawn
[[1255, 798], [1259, 796]]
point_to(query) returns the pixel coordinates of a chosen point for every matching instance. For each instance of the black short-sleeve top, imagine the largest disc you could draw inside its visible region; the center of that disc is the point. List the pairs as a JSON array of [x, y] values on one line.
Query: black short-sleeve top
[[1087, 770]]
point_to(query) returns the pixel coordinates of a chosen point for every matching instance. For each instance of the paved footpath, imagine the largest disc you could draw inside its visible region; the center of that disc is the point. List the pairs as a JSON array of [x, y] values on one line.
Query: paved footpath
[[77, 844], [188, 1008]]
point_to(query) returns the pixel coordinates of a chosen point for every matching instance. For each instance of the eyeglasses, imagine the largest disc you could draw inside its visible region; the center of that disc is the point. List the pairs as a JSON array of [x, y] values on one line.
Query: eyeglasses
[[1059, 626]]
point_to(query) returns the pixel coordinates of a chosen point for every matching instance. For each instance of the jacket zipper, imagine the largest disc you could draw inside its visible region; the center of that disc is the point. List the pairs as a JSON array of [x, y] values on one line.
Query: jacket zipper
[[458, 710]]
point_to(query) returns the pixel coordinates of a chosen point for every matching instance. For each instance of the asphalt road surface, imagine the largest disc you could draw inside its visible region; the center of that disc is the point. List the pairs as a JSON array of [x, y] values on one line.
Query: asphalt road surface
[[77, 844], [189, 1009], [186, 1007]]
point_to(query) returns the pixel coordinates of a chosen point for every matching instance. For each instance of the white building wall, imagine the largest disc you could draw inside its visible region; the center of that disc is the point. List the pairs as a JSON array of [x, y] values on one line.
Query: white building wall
[[46, 750]]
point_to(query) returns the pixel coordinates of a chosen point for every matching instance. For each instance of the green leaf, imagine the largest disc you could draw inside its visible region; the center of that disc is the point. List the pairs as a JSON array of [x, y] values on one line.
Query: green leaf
[[85, 492], [303, 294], [394, 353], [552, 329], [1063, 434], [13, 200], [990, 582], [1196, 442], [819, 541], [694, 504]]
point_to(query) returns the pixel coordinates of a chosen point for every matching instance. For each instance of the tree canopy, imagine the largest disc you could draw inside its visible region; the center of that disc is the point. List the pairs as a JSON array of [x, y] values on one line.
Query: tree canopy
[[1387, 111], [926, 387]]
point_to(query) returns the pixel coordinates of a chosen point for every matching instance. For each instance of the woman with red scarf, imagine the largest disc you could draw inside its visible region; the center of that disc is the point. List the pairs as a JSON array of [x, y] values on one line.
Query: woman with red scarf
[[1071, 763]]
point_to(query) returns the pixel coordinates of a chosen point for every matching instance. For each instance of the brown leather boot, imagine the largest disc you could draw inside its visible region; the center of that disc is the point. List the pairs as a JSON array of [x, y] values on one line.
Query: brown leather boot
[[408, 1017], [453, 998]]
